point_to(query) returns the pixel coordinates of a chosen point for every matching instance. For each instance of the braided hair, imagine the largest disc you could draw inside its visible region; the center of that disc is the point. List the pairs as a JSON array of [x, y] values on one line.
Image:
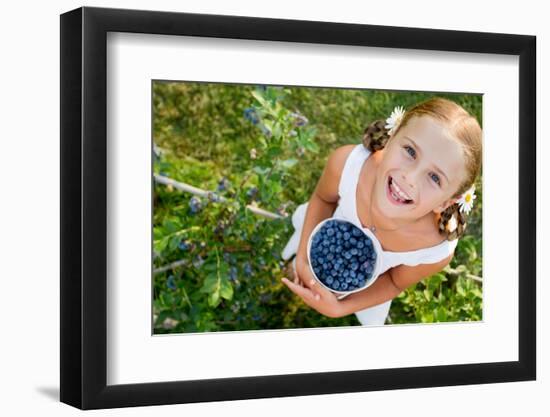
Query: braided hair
[[376, 135]]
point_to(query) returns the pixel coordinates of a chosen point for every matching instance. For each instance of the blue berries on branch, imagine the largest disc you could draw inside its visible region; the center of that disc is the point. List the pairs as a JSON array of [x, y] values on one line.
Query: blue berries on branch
[[195, 205]]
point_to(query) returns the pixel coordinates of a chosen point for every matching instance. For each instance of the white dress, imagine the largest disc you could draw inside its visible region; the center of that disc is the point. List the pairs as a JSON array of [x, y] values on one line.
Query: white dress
[[347, 209]]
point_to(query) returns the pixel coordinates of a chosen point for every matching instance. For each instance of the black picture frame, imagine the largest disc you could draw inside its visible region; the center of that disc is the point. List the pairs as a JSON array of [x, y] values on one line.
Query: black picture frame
[[83, 288]]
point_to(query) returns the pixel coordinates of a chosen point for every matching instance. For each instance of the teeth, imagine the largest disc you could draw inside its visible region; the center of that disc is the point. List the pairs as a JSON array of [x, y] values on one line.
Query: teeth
[[397, 190], [396, 197]]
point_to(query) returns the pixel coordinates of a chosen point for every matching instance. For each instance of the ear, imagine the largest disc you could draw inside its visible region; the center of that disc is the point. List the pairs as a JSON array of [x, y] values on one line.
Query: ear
[[441, 208]]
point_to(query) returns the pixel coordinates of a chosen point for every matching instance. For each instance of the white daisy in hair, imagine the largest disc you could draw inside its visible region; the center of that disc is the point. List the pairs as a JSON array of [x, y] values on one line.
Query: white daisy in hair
[[392, 122], [466, 201]]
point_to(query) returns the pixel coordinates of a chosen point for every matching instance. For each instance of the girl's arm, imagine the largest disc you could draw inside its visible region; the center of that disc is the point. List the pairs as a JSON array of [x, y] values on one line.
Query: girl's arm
[[324, 200], [389, 285]]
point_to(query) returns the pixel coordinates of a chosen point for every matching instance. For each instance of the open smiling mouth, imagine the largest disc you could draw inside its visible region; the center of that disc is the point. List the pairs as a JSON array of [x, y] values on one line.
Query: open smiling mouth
[[396, 196]]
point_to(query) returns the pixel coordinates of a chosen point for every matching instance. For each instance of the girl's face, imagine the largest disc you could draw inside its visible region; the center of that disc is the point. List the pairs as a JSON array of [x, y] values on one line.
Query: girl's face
[[421, 168]]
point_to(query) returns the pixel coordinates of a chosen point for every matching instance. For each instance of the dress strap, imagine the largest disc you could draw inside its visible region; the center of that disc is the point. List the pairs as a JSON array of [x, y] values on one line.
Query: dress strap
[[348, 181], [349, 176]]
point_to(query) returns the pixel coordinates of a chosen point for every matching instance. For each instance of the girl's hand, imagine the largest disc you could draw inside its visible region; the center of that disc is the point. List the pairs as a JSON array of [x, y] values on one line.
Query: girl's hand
[[312, 293]]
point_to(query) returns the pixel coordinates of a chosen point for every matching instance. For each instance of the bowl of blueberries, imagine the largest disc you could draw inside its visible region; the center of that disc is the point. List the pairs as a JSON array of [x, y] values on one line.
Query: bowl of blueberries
[[342, 256]]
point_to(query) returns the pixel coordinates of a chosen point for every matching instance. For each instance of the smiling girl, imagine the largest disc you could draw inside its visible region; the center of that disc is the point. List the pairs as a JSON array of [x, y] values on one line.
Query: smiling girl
[[411, 183]]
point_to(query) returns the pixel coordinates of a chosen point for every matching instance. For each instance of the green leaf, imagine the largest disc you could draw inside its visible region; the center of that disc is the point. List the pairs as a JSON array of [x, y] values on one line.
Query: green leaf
[[268, 124], [441, 314], [209, 266], [171, 226], [259, 170], [477, 292], [289, 163], [224, 269], [210, 284], [277, 130], [437, 279], [427, 317], [460, 289], [274, 151], [160, 245], [257, 95], [214, 299], [226, 289], [427, 294], [174, 242], [157, 233]]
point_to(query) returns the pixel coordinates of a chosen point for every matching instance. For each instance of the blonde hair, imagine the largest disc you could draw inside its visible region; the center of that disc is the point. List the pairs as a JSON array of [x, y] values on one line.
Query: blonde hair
[[462, 126]]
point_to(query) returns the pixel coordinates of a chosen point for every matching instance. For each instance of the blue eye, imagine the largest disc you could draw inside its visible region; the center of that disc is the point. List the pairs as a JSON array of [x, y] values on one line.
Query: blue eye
[[437, 180], [407, 147]]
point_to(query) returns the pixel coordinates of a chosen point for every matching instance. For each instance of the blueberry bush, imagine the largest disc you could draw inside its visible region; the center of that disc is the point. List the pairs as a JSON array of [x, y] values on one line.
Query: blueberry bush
[[217, 265]]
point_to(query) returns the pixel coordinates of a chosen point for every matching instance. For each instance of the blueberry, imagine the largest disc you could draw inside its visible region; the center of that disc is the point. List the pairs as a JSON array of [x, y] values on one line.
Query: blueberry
[[213, 197], [252, 192], [251, 115], [195, 204], [233, 273], [247, 269], [223, 184], [171, 283], [344, 286], [299, 119], [198, 261]]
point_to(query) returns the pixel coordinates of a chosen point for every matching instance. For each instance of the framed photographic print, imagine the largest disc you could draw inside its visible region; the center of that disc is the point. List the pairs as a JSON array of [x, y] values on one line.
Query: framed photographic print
[[236, 189]]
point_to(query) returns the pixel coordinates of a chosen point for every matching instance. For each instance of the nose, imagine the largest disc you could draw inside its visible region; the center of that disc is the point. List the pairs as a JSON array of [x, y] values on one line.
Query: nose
[[409, 178]]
